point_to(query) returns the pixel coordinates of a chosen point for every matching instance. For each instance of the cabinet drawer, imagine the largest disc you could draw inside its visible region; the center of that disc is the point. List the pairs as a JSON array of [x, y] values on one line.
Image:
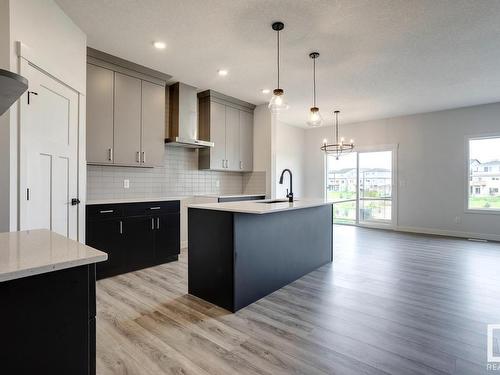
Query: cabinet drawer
[[151, 208], [104, 211]]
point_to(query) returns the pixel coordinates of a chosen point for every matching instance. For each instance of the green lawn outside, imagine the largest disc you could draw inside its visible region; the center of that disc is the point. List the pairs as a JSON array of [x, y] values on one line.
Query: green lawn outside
[[484, 202]]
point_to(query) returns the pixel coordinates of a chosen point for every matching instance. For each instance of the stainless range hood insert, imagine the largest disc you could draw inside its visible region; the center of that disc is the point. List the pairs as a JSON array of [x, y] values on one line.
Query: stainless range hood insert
[[183, 118], [189, 143]]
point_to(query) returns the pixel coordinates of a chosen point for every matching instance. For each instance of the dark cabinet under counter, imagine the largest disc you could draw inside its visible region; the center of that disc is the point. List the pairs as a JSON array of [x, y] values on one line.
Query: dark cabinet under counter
[[134, 235]]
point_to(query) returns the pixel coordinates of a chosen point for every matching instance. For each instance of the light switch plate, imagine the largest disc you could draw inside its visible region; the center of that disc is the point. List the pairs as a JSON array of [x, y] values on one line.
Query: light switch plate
[[126, 184]]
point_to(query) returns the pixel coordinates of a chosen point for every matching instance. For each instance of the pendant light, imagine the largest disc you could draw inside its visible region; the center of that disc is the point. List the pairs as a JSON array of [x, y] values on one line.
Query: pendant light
[[278, 102], [315, 119], [338, 147]]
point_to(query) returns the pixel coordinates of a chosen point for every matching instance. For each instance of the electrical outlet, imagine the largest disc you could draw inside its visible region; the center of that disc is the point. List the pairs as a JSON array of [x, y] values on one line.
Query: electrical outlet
[[217, 183], [126, 184], [458, 219]]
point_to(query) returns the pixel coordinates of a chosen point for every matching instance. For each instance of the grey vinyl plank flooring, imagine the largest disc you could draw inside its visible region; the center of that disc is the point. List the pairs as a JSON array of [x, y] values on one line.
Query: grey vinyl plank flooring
[[392, 303]]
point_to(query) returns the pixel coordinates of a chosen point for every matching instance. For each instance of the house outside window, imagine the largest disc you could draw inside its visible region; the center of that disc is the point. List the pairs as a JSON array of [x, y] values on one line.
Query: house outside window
[[484, 174]]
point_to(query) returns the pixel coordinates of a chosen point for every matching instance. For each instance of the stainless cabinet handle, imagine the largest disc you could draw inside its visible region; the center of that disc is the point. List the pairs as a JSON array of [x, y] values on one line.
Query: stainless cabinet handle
[[152, 223], [154, 208], [157, 223], [144, 156], [106, 211], [121, 227], [241, 164], [138, 157], [223, 165], [110, 154]]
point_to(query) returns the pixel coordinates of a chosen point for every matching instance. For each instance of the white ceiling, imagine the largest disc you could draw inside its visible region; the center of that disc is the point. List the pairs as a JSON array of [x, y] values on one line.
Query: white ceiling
[[378, 58]]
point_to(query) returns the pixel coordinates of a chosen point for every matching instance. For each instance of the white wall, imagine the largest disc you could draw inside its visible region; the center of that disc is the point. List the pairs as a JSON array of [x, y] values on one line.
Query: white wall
[[60, 48], [431, 166], [57, 42], [290, 151], [262, 142]]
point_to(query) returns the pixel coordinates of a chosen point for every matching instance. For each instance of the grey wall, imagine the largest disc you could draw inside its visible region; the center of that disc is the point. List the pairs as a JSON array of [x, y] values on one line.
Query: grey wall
[[290, 151], [431, 166], [179, 176], [262, 137]]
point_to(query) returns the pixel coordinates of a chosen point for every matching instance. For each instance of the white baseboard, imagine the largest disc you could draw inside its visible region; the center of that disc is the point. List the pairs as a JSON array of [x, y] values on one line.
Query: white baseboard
[[449, 233]]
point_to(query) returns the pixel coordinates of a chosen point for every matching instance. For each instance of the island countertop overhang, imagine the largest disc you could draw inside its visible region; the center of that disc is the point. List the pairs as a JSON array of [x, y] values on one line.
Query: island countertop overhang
[[34, 252], [261, 207]]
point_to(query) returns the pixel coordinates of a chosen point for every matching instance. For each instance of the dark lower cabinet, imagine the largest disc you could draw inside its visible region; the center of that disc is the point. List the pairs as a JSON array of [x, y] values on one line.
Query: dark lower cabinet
[[138, 237], [106, 235], [135, 235], [48, 323], [166, 240]]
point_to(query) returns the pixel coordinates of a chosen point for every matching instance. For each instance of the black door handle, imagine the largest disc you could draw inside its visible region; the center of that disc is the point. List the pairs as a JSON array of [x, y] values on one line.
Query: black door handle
[[75, 201]]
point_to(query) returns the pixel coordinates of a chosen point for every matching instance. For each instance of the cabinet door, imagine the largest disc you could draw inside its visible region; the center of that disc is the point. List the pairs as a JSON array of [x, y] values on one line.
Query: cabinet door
[[105, 235], [127, 122], [138, 235], [167, 237], [218, 135], [99, 115], [232, 138], [246, 141], [153, 124]]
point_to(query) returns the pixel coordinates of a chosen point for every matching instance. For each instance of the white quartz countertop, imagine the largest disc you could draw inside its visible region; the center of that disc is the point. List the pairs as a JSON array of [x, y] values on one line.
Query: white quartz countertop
[[133, 200], [259, 207], [40, 251]]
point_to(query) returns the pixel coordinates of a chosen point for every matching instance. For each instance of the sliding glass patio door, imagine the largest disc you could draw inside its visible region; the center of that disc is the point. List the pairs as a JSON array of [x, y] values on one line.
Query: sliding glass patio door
[[342, 187], [375, 187], [360, 184]]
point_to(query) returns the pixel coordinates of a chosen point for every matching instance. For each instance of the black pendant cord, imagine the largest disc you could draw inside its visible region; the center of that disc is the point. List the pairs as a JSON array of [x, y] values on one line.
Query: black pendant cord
[[314, 82], [278, 57]]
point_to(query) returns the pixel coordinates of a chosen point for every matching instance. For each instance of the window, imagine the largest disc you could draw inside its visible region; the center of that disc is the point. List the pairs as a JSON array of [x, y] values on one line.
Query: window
[[484, 174]]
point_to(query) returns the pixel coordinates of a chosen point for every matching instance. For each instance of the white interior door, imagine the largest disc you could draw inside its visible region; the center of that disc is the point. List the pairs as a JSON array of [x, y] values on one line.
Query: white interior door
[[48, 154]]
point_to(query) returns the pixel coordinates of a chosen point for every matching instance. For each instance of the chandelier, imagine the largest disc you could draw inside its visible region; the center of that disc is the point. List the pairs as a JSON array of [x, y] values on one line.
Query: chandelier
[[339, 147]]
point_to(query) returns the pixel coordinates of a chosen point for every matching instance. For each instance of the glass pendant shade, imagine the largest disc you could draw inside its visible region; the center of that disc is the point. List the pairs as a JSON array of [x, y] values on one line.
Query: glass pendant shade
[[315, 118], [278, 102]]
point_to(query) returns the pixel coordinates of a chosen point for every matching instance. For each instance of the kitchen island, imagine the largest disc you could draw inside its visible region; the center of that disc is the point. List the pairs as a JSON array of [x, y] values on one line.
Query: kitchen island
[[240, 252]]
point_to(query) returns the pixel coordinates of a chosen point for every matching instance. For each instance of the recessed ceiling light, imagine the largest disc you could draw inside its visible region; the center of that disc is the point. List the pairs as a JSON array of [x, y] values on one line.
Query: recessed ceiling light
[[222, 72], [159, 45], [265, 91]]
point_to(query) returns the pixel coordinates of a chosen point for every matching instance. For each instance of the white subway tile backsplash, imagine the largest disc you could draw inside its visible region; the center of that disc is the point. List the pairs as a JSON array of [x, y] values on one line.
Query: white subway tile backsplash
[[179, 176]]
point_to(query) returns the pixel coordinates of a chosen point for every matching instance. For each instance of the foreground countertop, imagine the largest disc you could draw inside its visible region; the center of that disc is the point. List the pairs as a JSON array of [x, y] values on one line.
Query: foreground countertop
[[260, 207], [40, 251]]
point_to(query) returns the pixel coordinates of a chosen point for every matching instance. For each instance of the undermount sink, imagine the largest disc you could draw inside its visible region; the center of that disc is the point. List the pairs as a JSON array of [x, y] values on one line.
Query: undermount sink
[[273, 201]]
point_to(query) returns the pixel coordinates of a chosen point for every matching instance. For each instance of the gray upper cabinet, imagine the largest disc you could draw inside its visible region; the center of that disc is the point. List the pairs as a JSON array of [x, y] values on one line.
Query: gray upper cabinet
[[232, 138], [228, 122], [153, 124], [246, 141], [127, 114], [217, 157], [100, 87]]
